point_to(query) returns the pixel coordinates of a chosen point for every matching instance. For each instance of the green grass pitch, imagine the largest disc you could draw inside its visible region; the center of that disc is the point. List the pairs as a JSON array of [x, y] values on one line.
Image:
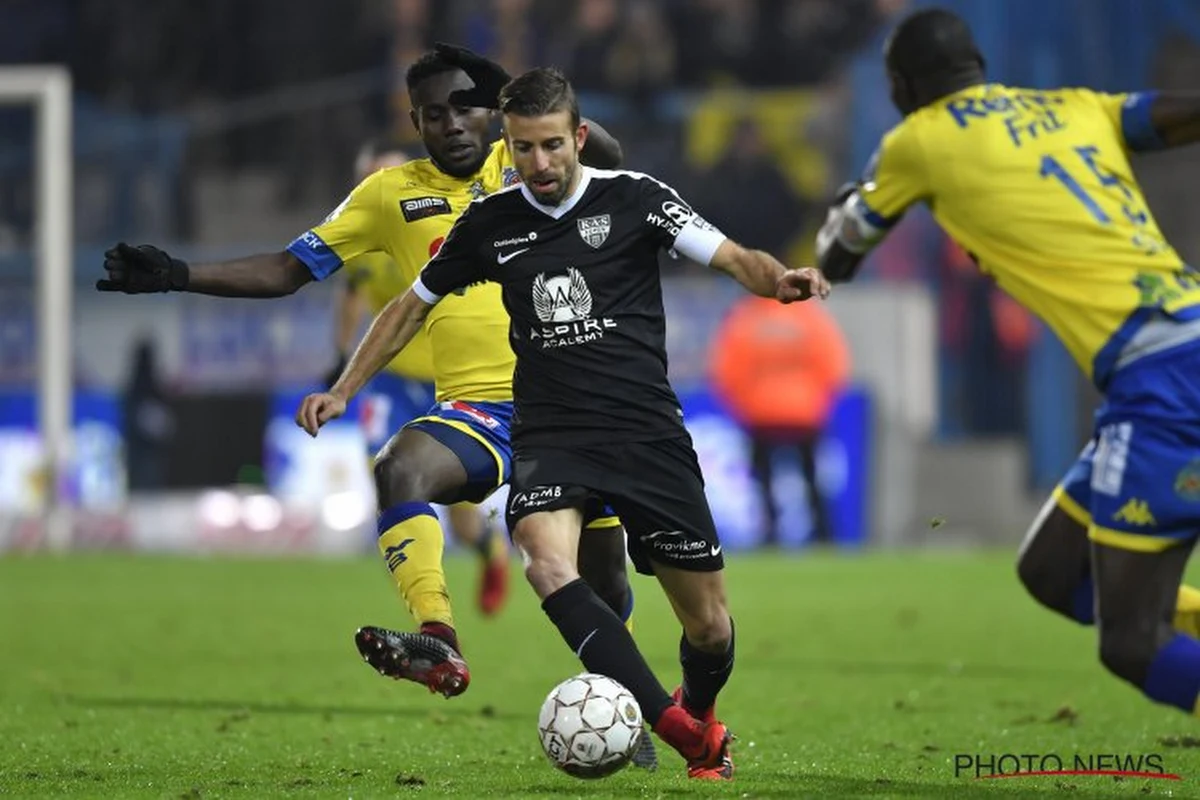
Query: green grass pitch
[[864, 675]]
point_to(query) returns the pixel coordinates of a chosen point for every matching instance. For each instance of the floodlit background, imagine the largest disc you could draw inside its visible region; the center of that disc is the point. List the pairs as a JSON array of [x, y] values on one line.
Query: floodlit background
[[224, 127], [218, 128]]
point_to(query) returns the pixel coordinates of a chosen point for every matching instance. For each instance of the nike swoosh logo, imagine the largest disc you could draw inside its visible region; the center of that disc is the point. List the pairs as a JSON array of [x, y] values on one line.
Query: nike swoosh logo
[[504, 258], [715, 550], [583, 644]]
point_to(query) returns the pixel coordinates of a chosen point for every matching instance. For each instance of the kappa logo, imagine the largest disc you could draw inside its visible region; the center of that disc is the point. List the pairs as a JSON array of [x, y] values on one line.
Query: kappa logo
[[594, 230], [563, 298], [424, 207], [1135, 512]]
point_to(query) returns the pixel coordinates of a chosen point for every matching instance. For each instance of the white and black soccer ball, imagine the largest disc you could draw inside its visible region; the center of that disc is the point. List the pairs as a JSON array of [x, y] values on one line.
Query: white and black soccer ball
[[590, 726]]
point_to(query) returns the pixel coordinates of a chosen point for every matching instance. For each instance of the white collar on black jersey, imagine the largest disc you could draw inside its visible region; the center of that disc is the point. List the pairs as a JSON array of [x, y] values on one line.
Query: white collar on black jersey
[[560, 210]]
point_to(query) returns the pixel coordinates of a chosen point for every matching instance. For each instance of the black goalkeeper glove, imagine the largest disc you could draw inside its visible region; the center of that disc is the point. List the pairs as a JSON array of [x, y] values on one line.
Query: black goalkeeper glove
[[332, 376], [488, 76], [142, 269]]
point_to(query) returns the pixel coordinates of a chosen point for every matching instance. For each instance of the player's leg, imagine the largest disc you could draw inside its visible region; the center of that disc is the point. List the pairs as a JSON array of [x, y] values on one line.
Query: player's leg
[[455, 453], [1145, 511], [412, 471], [601, 560], [1054, 560], [545, 517], [673, 537], [1136, 594], [474, 529]]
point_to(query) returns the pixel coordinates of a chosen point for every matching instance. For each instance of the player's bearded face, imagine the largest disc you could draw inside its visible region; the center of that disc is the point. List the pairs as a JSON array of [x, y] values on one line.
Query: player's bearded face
[[545, 151]]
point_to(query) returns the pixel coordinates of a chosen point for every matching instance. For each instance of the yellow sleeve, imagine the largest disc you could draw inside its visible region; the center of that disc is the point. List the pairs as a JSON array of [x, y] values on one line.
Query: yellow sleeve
[[350, 230], [894, 179]]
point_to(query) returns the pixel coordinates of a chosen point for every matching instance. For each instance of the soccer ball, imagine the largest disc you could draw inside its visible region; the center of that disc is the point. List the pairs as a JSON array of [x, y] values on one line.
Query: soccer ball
[[590, 726]]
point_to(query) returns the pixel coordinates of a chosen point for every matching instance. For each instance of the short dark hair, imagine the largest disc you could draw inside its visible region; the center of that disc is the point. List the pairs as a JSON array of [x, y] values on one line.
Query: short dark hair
[[538, 92], [426, 66], [932, 41]]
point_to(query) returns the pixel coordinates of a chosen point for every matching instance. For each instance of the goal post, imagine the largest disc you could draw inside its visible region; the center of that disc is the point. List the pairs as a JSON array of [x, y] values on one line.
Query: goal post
[[48, 90]]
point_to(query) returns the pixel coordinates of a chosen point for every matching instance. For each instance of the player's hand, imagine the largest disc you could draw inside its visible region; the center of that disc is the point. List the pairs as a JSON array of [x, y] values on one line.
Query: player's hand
[[332, 376], [317, 409], [141, 269], [801, 284], [488, 76]]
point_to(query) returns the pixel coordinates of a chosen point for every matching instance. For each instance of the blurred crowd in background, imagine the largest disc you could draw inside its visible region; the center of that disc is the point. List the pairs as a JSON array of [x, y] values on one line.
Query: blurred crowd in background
[[227, 125]]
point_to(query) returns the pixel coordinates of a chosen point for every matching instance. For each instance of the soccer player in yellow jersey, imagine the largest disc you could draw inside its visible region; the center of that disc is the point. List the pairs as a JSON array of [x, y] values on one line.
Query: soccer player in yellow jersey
[[459, 450], [1037, 186], [405, 390]]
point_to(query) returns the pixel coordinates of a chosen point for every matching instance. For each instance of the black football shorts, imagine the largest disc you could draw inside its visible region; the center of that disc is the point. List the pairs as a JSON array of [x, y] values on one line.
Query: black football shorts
[[654, 487]]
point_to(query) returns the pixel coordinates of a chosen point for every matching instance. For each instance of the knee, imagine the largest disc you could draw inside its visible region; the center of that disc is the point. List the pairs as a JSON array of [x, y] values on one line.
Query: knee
[[398, 479], [1128, 649], [548, 567], [549, 572]]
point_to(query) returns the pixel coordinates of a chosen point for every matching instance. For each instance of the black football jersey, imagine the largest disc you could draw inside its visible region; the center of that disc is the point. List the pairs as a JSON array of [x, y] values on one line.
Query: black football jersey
[[582, 288]]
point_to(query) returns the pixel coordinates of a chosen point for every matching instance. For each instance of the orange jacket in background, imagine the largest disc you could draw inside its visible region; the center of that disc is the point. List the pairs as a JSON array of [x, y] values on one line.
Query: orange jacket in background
[[779, 366]]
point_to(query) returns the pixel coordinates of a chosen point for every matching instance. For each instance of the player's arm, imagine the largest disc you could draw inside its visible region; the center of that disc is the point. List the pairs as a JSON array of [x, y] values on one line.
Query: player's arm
[[1176, 117], [456, 265], [841, 245], [392, 329], [862, 214], [350, 230], [601, 149], [676, 226], [144, 268], [762, 274]]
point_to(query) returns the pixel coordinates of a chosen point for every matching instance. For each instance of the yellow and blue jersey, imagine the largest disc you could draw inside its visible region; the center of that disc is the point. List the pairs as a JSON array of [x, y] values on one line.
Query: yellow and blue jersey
[[377, 279], [1037, 186], [405, 213]]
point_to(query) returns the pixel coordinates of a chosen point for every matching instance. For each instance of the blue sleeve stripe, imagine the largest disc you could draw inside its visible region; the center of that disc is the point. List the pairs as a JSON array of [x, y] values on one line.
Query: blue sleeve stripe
[[874, 218], [1136, 125], [315, 254]]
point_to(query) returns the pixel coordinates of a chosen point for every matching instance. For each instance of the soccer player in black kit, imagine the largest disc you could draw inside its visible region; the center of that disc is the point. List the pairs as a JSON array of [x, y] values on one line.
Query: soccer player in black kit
[[575, 250]]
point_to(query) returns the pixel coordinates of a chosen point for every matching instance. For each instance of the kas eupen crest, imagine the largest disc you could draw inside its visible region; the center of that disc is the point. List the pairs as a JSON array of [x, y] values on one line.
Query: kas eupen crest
[[594, 230]]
